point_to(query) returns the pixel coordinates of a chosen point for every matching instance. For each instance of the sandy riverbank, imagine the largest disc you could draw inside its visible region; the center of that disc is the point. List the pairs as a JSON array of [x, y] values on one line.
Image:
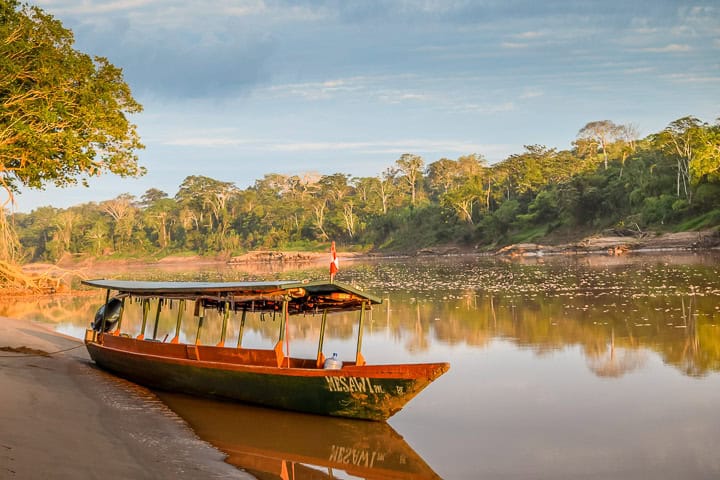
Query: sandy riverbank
[[62, 418]]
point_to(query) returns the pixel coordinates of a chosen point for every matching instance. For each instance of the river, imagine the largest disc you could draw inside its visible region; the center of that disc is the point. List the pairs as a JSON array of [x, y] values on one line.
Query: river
[[561, 367]]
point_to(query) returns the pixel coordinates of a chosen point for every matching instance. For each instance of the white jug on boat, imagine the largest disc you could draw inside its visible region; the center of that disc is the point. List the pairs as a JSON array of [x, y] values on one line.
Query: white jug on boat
[[333, 363]]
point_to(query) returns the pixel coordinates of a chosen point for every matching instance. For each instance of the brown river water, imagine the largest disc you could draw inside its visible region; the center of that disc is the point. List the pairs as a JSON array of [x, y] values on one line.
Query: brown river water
[[561, 367]]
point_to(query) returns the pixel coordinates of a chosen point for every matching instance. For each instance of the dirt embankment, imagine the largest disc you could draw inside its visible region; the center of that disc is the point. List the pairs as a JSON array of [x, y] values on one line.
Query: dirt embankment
[[612, 242], [271, 256], [621, 244]]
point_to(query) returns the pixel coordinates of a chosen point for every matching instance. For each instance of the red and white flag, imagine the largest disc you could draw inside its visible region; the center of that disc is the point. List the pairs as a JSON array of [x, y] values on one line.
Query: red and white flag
[[334, 264]]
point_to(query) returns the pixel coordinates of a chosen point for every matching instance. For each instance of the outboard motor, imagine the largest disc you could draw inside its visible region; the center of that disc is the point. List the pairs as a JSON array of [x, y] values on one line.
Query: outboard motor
[[114, 308]]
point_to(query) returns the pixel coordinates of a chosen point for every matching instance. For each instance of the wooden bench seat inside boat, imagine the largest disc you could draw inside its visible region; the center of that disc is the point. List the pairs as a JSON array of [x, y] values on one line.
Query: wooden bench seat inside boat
[[243, 356]]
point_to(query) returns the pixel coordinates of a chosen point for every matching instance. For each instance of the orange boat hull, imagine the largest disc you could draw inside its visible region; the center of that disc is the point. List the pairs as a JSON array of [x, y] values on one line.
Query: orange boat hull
[[370, 392]]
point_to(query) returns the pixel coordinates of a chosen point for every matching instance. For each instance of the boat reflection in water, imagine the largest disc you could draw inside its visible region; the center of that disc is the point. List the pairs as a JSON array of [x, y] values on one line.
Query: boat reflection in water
[[274, 444]]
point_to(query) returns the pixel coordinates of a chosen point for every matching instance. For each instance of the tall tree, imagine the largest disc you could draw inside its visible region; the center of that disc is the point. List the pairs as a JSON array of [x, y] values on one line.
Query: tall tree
[[122, 209], [385, 187], [627, 143], [707, 160], [63, 114], [411, 166], [199, 194], [159, 214], [598, 135], [682, 139], [151, 196], [441, 175]]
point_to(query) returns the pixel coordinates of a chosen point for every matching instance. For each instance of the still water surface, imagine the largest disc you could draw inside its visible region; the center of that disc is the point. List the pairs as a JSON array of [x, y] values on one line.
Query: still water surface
[[584, 367]]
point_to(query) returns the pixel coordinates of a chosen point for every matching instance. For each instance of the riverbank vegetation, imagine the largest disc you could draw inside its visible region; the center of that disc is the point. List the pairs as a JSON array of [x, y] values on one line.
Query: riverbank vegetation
[[608, 179], [63, 119]]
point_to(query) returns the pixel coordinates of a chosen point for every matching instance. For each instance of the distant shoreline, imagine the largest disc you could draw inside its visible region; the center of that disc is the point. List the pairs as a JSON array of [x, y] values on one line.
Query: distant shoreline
[[612, 245]]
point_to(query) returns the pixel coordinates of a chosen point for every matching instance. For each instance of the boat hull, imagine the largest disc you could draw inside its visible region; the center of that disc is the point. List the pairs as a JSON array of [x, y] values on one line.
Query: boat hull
[[365, 392]]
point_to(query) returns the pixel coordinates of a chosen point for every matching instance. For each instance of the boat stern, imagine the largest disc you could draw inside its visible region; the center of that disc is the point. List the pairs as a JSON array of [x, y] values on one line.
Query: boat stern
[[91, 336]]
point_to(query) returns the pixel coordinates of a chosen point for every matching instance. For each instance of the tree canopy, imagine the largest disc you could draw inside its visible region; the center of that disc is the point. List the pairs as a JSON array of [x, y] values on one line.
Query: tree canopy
[[63, 114], [539, 193]]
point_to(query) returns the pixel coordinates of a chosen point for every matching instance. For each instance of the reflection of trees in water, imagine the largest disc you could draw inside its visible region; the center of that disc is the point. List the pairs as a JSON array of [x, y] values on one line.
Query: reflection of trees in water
[[614, 362], [75, 309], [614, 332], [419, 340], [699, 352], [612, 325]]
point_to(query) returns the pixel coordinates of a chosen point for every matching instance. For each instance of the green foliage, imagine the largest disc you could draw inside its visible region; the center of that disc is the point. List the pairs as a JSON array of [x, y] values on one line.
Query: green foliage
[[657, 210], [704, 221], [537, 195], [707, 195], [63, 114], [63, 117]]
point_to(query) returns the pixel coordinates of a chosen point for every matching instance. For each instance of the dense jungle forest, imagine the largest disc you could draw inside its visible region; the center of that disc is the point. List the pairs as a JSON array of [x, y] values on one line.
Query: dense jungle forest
[[667, 181]]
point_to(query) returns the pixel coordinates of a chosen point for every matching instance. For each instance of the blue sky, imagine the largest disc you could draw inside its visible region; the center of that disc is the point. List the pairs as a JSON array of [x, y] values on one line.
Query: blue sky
[[237, 89]]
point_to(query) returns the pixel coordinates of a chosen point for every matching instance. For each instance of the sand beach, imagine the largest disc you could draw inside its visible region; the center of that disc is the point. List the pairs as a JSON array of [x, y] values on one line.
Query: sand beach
[[63, 418]]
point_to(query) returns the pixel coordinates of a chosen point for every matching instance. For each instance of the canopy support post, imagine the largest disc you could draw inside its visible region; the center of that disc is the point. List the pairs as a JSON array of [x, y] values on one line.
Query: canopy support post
[[200, 313], [104, 319], [359, 360], [120, 317], [157, 318], [283, 326], [181, 308], [320, 356], [242, 327], [145, 311], [226, 314]]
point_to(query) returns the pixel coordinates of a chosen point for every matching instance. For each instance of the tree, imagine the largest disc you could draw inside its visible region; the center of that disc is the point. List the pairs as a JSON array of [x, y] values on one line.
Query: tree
[[122, 210], [462, 198], [685, 139], [349, 217], [199, 194], [411, 166], [441, 175], [63, 114], [151, 196], [319, 207], [706, 163], [159, 216], [627, 143], [597, 136], [471, 165], [65, 222], [385, 187]]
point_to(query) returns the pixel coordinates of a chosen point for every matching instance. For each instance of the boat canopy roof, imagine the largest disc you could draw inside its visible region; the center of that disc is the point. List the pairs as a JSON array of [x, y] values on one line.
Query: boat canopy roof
[[303, 296]]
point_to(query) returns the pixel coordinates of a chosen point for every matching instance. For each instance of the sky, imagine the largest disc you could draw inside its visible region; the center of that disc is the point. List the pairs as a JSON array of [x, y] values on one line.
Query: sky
[[236, 89]]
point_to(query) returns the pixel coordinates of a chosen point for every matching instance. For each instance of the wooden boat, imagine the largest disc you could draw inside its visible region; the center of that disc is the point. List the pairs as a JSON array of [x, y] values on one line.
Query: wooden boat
[[267, 377]]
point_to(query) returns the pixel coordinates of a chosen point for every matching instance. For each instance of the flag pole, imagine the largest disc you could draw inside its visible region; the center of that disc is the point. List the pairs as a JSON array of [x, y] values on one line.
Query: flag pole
[[334, 264]]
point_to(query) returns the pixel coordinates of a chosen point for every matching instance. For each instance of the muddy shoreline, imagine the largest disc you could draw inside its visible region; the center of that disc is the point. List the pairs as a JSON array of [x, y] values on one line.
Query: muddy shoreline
[[64, 418], [264, 261], [616, 244]]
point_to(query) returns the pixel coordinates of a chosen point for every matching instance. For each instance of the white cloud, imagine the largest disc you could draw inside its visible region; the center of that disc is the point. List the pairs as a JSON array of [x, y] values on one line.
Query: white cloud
[[200, 141], [670, 48], [514, 45], [530, 35], [88, 7], [690, 78], [531, 93], [485, 108], [367, 147], [317, 90], [638, 70]]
